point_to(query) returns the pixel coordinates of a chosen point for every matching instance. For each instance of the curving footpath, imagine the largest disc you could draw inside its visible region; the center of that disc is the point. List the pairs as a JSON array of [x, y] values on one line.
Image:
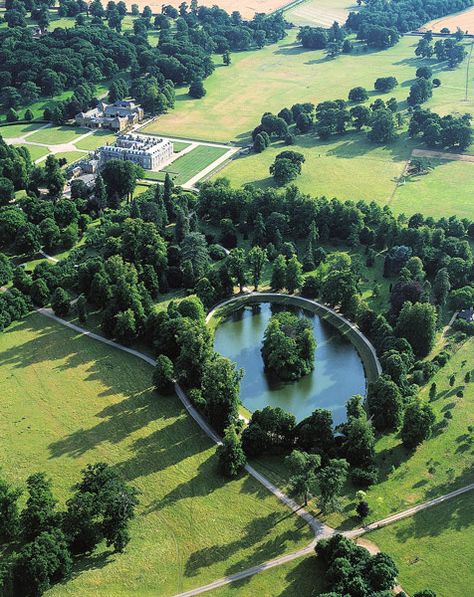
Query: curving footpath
[[320, 530]]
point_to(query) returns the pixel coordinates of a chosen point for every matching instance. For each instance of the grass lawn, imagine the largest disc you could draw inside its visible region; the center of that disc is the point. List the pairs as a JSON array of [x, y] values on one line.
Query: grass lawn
[[346, 167], [302, 578], [98, 138], [285, 73], [179, 146], [36, 152], [155, 176], [68, 401], [56, 135], [140, 188], [441, 464], [71, 156], [190, 164], [18, 130], [447, 189], [434, 548]]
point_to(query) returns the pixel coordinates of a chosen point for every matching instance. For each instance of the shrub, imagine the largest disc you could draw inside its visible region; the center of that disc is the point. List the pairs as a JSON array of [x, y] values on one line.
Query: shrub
[[163, 375], [364, 477]]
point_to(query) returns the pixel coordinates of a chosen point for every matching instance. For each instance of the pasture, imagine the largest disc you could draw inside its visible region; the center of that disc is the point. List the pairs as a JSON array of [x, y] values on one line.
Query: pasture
[[285, 73], [67, 401], [190, 164], [348, 167], [445, 190], [434, 548]]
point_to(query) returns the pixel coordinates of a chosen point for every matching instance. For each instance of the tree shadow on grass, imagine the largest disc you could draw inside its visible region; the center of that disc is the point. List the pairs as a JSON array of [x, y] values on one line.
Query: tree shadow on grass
[[205, 482], [390, 460], [456, 514], [165, 448], [253, 534], [292, 50]]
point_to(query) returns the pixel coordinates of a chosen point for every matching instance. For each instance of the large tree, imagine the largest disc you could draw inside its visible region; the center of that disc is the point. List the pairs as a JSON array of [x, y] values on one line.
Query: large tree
[[221, 391], [417, 323], [303, 480]]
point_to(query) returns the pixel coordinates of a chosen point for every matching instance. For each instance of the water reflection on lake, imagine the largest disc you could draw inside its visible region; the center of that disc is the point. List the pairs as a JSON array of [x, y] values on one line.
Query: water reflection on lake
[[338, 373]]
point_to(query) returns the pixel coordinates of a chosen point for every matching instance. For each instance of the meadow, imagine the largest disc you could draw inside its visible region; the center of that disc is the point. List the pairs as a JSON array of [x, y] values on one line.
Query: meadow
[[10, 131], [434, 548], [68, 401], [348, 167], [285, 73], [447, 189], [36, 151], [302, 577], [100, 137]]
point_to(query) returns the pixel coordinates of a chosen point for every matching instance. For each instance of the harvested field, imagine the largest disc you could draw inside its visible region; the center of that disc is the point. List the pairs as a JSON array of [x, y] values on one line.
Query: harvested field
[[247, 8], [464, 20], [320, 13]]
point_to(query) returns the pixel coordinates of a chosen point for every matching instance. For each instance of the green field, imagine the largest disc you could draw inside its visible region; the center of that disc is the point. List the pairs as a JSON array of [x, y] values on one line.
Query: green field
[[18, 130], [285, 73], [347, 167], [57, 135], [441, 464], [447, 189], [71, 156], [155, 176], [36, 152], [67, 401], [190, 164], [301, 578], [434, 548], [98, 138], [179, 146]]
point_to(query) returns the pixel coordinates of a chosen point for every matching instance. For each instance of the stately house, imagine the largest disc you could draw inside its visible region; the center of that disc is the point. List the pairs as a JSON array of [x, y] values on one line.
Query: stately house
[[117, 116], [150, 153]]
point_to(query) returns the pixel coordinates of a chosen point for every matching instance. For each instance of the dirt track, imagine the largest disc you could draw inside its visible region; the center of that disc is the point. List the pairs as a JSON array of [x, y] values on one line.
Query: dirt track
[[442, 155]]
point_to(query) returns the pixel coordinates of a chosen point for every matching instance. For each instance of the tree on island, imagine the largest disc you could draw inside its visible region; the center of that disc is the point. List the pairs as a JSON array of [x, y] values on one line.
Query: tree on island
[[288, 346]]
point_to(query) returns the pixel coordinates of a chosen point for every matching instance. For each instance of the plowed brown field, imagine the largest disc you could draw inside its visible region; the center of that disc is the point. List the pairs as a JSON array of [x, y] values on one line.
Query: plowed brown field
[[247, 8]]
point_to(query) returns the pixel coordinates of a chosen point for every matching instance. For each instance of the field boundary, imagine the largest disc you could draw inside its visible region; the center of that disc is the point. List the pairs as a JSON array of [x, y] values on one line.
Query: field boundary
[[443, 155]]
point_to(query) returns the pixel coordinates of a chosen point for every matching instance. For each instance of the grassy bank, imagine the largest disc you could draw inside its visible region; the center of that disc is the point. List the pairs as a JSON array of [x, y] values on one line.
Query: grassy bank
[[68, 401]]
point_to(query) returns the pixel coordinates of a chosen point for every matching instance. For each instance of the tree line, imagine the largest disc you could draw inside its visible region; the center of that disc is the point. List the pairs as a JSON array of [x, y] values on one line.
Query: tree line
[[380, 24], [96, 49]]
